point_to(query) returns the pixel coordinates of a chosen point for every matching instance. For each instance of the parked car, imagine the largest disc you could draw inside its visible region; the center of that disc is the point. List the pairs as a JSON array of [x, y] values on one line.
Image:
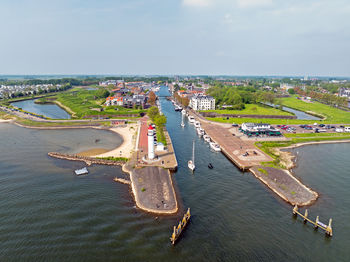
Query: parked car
[[321, 125]]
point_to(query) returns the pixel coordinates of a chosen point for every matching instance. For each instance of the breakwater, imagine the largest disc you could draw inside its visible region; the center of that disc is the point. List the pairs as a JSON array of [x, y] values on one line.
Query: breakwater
[[88, 160]]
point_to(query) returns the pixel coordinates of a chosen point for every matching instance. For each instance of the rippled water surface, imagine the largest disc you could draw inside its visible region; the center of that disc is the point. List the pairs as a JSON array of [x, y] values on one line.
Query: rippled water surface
[[49, 214]]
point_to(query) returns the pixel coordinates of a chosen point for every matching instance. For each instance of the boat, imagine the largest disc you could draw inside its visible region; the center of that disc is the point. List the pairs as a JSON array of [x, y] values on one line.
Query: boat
[[81, 171], [183, 111], [215, 146], [182, 122], [190, 163], [206, 138], [191, 119], [197, 124], [210, 166], [180, 227], [200, 131]]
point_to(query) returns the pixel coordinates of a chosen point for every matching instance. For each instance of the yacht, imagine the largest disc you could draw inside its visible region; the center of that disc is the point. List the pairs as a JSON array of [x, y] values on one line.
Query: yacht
[[200, 131], [215, 146], [191, 119], [206, 138], [197, 124], [190, 163], [183, 111]]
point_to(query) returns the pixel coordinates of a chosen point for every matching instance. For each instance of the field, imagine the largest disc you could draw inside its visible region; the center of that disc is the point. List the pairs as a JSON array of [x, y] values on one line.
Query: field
[[333, 115], [253, 109], [273, 121], [83, 102]]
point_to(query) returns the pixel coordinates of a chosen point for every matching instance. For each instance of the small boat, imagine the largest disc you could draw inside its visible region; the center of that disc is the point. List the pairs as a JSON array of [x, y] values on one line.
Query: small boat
[[197, 124], [181, 226], [81, 171], [210, 166], [190, 163], [183, 111], [191, 119], [200, 131], [215, 146], [206, 138]]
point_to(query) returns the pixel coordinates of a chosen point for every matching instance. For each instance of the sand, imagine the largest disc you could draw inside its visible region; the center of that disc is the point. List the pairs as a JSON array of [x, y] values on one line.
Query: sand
[[128, 133]]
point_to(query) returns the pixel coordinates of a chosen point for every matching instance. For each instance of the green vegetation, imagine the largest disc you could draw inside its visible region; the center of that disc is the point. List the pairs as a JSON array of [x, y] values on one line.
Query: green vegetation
[[332, 114], [253, 109], [143, 189], [273, 121], [160, 121], [117, 159], [263, 171], [90, 103], [28, 122], [307, 135]]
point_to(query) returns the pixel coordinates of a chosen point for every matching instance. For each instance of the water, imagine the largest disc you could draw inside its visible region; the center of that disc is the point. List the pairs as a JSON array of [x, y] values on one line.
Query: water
[[299, 114], [48, 110], [49, 214]]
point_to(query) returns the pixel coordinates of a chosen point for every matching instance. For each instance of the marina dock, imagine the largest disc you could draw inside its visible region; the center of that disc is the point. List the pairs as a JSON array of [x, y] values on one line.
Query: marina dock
[[327, 228]]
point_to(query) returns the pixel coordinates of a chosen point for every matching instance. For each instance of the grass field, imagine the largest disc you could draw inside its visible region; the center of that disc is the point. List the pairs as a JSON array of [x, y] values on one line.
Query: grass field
[[28, 122], [83, 102], [333, 115], [253, 109], [273, 121]]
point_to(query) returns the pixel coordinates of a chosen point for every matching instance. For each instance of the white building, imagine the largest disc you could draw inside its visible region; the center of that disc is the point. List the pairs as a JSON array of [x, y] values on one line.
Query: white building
[[201, 102], [150, 135], [255, 127]]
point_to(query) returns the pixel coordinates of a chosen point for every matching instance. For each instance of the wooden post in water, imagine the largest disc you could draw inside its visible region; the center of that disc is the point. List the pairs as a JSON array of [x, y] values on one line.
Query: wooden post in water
[[316, 223], [305, 216], [329, 230], [295, 210]]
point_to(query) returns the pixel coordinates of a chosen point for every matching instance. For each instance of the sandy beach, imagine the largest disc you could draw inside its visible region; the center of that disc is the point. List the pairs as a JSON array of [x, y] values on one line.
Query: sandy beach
[[128, 134], [5, 120]]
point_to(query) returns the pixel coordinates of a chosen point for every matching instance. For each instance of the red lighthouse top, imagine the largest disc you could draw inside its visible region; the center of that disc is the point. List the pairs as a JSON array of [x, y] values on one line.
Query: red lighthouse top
[[150, 127]]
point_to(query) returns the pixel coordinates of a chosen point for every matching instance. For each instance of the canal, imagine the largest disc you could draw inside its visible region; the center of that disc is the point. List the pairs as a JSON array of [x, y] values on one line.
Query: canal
[[49, 214]]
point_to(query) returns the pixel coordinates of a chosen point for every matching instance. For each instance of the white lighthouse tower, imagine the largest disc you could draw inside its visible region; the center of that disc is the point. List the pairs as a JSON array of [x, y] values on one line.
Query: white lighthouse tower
[[150, 136]]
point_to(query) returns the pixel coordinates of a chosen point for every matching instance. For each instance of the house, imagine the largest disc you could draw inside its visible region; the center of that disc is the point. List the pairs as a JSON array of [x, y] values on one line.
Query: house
[[344, 92], [201, 102], [114, 101], [255, 127]]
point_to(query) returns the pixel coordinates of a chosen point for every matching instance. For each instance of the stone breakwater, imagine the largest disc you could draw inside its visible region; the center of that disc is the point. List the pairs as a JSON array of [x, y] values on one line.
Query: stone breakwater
[[88, 160]]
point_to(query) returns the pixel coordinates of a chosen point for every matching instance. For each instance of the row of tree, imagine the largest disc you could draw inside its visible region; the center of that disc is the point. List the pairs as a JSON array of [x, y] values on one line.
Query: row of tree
[[237, 97], [325, 98]]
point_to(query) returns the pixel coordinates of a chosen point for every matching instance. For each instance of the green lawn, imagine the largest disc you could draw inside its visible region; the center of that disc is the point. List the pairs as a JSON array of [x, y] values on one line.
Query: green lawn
[[333, 115], [82, 102], [306, 135], [273, 121], [253, 109]]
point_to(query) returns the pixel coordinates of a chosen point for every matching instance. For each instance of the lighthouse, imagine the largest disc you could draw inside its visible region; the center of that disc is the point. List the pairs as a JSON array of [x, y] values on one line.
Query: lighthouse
[[150, 136]]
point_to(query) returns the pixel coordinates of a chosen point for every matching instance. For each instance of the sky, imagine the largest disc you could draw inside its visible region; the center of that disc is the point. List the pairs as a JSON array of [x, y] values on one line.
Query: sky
[[171, 37]]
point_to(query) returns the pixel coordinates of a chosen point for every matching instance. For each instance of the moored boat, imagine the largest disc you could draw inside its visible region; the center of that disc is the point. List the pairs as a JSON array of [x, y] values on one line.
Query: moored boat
[[191, 119], [81, 171], [190, 162], [197, 124], [206, 138], [180, 227], [215, 146]]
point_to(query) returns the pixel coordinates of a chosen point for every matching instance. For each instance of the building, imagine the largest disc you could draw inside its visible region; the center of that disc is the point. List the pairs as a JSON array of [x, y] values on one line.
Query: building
[[114, 101], [201, 102], [255, 127], [150, 135], [344, 92]]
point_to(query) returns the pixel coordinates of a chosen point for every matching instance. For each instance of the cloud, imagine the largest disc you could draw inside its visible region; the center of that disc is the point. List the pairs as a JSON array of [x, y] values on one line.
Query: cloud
[[199, 3], [253, 3]]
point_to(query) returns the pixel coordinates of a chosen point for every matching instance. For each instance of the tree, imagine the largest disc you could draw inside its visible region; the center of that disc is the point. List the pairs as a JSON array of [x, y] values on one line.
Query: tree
[[160, 120], [153, 112], [152, 98], [291, 91], [102, 93]]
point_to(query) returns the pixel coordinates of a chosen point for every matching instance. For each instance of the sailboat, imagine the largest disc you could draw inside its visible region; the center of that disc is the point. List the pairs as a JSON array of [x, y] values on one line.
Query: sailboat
[[182, 121], [190, 163]]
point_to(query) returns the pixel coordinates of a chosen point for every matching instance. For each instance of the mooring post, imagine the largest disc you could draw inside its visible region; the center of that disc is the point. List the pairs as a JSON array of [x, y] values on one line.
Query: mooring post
[[329, 230], [295, 210], [316, 223], [305, 216]]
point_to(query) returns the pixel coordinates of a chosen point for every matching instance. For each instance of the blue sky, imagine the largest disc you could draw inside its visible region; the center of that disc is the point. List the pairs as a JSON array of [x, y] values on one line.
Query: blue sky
[[232, 37]]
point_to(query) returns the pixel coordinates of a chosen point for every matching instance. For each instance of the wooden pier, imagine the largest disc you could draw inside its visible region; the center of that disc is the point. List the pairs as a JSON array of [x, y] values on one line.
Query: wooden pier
[[182, 224], [317, 223]]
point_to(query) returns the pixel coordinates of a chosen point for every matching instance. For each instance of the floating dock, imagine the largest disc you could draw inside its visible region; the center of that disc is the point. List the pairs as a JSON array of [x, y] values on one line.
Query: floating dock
[[181, 226], [328, 229]]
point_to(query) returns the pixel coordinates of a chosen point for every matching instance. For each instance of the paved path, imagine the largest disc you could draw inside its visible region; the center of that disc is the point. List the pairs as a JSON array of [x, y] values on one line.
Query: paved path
[[153, 190], [232, 146]]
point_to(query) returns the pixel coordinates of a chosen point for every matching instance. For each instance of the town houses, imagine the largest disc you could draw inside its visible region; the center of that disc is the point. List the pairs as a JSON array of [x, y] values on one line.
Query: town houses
[[202, 102]]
